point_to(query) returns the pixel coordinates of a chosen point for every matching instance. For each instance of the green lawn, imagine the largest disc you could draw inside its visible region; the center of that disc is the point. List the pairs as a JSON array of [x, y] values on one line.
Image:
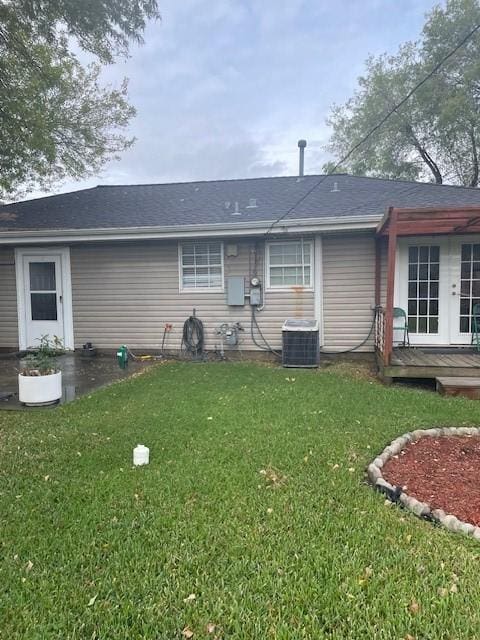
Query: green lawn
[[93, 548]]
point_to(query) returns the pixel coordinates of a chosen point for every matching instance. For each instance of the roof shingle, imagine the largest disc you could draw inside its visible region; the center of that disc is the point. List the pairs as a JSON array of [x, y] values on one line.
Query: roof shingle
[[181, 204]]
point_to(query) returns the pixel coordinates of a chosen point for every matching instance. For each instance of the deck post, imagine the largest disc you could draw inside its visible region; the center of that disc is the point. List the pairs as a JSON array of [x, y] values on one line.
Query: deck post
[[392, 250]]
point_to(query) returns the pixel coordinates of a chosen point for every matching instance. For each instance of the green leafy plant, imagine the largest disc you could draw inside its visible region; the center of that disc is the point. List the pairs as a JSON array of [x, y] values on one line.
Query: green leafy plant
[[43, 361]]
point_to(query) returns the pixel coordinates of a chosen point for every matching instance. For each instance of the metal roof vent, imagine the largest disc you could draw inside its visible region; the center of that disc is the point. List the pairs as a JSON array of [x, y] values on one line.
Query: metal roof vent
[[301, 157], [335, 188], [236, 212], [252, 203]]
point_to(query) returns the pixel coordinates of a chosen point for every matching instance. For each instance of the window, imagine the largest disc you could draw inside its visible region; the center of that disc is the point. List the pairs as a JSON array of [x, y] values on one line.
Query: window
[[289, 264], [201, 266]]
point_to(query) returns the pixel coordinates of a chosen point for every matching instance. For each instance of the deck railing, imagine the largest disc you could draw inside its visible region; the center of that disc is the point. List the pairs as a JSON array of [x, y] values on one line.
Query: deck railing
[[384, 334], [380, 332]]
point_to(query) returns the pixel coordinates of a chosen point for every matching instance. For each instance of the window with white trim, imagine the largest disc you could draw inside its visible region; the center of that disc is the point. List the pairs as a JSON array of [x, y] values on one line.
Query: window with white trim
[[289, 264], [201, 266]]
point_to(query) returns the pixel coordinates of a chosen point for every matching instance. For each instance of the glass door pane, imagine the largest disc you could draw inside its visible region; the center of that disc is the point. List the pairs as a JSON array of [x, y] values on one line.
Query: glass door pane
[[423, 288], [43, 290], [469, 284]]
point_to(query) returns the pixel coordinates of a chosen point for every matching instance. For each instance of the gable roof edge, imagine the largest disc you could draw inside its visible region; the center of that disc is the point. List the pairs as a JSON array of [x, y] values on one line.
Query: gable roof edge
[[306, 225]]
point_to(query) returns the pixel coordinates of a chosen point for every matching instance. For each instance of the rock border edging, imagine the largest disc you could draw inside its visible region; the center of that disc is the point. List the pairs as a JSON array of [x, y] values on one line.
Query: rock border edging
[[395, 494]]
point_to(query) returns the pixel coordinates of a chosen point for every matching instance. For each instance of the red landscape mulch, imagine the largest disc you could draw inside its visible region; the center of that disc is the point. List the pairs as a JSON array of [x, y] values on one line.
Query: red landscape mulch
[[443, 472]]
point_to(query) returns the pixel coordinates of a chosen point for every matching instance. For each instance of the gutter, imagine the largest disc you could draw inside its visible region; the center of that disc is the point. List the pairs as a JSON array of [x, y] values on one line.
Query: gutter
[[305, 225]]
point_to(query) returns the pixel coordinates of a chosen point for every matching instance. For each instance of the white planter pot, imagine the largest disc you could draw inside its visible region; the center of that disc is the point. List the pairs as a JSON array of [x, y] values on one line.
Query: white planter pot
[[35, 391]]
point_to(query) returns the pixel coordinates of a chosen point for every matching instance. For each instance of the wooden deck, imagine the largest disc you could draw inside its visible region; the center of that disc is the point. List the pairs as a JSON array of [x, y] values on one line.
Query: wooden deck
[[424, 362], [456, 386]]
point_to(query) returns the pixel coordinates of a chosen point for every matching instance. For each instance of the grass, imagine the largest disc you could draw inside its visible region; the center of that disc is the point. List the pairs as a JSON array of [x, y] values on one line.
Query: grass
[[254, 501]]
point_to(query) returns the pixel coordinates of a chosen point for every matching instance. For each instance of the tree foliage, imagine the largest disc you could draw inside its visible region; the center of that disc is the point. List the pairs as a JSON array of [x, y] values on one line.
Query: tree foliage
[[436, 135], [56, 118]]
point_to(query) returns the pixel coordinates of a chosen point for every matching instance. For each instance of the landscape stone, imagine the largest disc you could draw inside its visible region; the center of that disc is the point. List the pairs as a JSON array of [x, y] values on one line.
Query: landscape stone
[[374, 472], [438, 514], [381, 482], [466, 527]]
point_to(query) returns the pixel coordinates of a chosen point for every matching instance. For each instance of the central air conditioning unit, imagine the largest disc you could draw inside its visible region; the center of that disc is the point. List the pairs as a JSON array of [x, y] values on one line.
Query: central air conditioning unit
[[301, 346]]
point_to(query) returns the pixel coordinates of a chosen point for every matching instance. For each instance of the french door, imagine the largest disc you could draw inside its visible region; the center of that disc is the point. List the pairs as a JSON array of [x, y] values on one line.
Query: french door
[[464, 287], [438, 285]]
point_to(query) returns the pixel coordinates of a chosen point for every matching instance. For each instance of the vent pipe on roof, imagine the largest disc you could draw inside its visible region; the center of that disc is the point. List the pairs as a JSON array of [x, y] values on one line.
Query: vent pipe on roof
[[301, 160]]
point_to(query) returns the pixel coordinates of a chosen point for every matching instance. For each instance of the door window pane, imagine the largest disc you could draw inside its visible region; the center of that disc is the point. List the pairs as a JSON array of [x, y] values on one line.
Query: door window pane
[[423, 290], [412, 324], [44, 306], [464, 324], [42, 276], [434, 271], [413, 254], [423, 254], [464, 306], [423, 280], [466, 252], [466, 269], [469, 285], [412, 307]]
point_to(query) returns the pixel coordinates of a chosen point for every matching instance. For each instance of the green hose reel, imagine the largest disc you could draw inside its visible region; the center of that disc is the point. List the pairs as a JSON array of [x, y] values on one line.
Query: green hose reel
[[122, 356]]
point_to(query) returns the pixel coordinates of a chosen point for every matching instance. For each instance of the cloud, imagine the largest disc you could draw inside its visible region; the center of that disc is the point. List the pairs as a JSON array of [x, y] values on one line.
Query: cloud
[[224, 88]]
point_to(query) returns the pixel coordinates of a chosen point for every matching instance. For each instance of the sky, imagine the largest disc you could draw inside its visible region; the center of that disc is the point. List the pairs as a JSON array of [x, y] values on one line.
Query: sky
[[225, 88]]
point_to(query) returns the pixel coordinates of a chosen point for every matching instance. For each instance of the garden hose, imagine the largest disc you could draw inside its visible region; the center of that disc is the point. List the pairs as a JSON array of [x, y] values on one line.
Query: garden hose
[[193, 336]]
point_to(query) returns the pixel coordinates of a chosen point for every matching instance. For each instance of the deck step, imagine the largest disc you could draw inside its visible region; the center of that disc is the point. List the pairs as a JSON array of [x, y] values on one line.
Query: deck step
[[458, 386]]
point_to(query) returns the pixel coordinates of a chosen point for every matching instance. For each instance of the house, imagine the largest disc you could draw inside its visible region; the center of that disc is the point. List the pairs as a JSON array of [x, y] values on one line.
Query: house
[[113, 265]]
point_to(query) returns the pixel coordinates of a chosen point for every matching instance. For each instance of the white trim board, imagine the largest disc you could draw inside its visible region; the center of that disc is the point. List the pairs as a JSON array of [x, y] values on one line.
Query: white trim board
[[64, 254], [318, 280], [284, 227]]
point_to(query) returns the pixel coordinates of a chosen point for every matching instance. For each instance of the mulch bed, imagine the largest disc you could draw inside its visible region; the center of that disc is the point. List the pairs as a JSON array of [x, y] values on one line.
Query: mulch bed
[[443, 472]]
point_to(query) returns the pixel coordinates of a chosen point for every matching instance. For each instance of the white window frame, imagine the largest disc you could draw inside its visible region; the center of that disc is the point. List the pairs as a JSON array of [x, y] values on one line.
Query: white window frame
[[289, 287], [183, 289]]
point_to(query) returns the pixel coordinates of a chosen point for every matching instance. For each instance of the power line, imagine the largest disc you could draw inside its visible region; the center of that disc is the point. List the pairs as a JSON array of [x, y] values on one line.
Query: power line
[[377, 126]]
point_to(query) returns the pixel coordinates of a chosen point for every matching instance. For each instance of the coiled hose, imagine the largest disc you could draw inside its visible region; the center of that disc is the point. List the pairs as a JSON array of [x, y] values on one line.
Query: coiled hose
[[193, 336]]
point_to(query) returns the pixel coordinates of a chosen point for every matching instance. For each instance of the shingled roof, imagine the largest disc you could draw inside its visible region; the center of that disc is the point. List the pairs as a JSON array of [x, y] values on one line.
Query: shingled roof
[[227, 202]]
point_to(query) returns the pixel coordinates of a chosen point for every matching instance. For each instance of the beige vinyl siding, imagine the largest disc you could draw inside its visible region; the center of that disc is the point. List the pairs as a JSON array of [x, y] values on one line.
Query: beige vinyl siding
[[125, 293], [8, 300], [348, 289]]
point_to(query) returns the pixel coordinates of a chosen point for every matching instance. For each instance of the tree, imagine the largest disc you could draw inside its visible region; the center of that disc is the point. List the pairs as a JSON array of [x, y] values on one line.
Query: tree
[[434, 136], [56, 119], [331, 168]]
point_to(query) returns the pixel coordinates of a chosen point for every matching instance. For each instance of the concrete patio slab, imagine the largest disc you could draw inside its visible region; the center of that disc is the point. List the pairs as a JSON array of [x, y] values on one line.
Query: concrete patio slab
[[80, 376]]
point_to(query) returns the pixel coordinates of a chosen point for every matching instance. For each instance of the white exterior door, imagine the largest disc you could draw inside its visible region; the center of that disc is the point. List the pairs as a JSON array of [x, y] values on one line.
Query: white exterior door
[[44, 296], [464, 285], [438, 282]]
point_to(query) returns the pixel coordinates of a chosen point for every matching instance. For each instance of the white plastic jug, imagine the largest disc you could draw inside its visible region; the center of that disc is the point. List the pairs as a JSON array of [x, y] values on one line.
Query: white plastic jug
[[141, 455]]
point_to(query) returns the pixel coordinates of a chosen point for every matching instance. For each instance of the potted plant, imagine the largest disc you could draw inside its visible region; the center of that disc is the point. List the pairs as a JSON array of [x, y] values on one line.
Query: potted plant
[[40, 379]]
